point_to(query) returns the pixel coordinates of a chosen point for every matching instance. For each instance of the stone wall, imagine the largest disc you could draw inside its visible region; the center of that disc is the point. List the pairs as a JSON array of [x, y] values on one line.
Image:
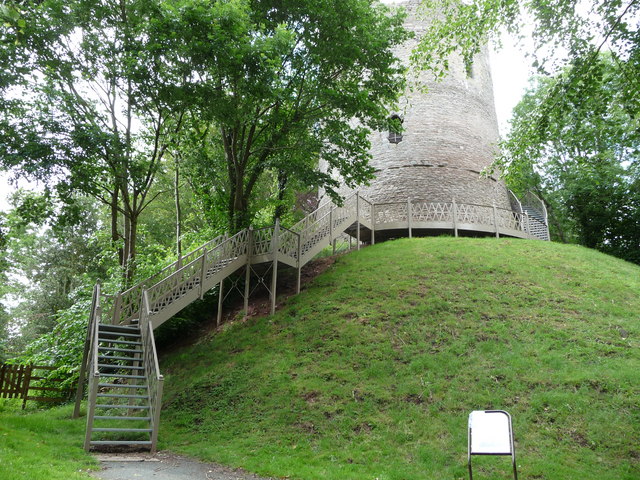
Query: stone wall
[[450, 136]]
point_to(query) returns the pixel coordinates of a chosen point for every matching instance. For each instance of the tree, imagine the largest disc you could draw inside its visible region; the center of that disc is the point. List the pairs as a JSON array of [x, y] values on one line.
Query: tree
[[86, 111], [581, 159], [273, 86]]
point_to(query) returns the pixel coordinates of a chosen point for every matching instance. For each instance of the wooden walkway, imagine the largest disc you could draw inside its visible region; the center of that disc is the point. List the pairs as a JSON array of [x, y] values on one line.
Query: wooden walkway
[[149, 304]]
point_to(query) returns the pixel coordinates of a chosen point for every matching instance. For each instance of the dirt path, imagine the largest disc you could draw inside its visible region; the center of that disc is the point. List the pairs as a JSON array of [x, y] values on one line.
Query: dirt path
[[164, 466]]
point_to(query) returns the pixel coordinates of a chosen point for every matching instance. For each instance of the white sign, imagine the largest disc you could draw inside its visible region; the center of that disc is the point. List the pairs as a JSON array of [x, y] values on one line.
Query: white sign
[[490, 433]]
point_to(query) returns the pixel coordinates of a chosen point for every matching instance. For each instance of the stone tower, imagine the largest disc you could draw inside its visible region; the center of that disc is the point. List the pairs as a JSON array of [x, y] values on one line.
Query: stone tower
[[450, 133]]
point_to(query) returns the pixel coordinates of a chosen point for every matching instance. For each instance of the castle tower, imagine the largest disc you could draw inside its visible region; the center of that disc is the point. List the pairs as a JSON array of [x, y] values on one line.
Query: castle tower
[[450, 134]]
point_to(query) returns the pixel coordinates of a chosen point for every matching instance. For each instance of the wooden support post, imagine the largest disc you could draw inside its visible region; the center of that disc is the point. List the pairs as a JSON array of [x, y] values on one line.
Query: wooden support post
[[527, 225], [220, 298], [495, 221], [203, 272], [274, 267], [156, 414], [331, 226], [357, 220], [334, 246], [409, 219], [247, 273], [299, 263], [373, 224], [91, 402], [455, 218]]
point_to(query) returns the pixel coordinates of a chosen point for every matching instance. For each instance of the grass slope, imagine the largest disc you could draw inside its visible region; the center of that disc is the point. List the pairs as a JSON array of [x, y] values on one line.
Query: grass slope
[[42, 445], [372, 372]]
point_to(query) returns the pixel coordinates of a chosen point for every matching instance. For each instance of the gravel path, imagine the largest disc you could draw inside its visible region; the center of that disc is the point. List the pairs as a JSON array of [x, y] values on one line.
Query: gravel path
[[164, 466]]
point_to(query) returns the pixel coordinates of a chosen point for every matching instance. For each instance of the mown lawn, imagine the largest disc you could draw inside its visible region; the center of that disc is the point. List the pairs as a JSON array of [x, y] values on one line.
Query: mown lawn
[[42, 444], [372, 372]]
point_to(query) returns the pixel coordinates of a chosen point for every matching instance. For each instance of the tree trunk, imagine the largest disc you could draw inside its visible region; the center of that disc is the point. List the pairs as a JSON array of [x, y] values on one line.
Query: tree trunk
[[281, 208], [176, 190]]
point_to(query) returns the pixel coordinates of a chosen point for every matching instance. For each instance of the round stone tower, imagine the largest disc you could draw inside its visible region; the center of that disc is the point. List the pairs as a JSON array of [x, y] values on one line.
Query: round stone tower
[[449, 136]]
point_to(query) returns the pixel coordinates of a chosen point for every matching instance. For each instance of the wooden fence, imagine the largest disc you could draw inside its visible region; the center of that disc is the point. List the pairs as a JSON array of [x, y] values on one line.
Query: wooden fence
[[23, 381]]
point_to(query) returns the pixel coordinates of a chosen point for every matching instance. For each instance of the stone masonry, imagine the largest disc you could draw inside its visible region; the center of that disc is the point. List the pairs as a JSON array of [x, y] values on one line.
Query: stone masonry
[[450, 135]]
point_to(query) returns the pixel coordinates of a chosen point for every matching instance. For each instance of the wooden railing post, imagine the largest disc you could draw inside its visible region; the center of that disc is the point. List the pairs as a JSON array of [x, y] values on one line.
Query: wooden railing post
[[455, 218], [203, 272], [409, 215], [274, 267], [357, 220], [495, 221], [156, 414], [247, 273], [527, 226]]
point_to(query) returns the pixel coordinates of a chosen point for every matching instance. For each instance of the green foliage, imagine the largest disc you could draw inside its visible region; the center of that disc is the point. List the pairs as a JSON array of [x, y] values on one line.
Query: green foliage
[[272, 87], [372, 371], [42, 445], [581, 159]]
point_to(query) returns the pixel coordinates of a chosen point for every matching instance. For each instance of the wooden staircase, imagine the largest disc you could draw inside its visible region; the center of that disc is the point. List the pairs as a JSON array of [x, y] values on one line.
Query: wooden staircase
[[120, 415], [120, 358]]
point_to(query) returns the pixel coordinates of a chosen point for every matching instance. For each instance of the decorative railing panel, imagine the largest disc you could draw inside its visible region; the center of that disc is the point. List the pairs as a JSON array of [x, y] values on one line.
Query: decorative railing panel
[[175, 286], [432, 212], [508, 220], [262, 241], [288, 241], [474, 214]]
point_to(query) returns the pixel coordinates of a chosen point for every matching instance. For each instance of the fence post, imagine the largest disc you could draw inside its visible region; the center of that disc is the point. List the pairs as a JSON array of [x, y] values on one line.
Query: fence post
[[495, 221], [409, 219], [455, 218], [26, 380], [274, 267], [358, 220], [247, 273]]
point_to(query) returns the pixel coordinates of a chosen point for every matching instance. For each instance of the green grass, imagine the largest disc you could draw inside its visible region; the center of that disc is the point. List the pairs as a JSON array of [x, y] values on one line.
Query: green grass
[[372, 372], [42, 445]]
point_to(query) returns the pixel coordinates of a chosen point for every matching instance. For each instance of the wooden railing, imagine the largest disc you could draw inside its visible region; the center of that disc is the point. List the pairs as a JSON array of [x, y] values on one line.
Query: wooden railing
[[155, 380]]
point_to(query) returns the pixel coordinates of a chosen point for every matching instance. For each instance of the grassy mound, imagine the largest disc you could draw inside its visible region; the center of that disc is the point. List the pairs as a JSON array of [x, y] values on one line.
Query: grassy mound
[[372, 372]]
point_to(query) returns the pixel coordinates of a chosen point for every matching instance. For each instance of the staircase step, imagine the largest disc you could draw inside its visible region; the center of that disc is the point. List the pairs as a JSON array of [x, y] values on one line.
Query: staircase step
[[117, 340], [121, 385], [121, 350], [121, 375], [106, 333], [118, 395], [108, 417], [119, 367], [119, 442], [131, 407], [128, 430], [113, 357]]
